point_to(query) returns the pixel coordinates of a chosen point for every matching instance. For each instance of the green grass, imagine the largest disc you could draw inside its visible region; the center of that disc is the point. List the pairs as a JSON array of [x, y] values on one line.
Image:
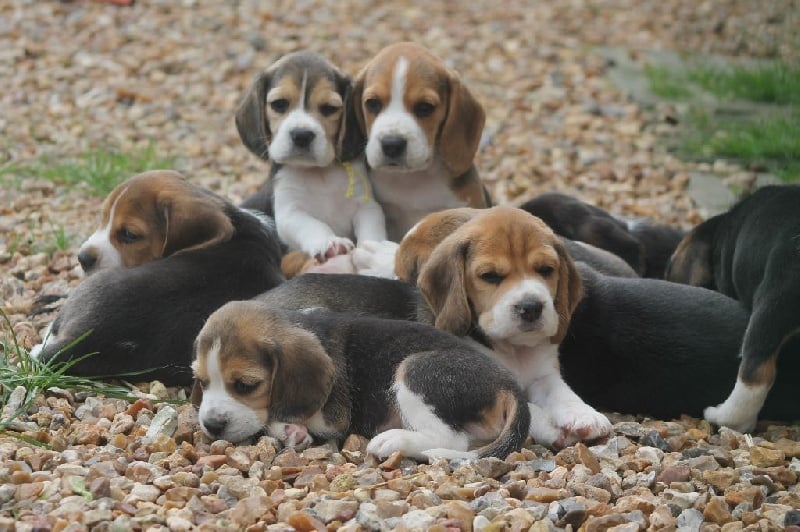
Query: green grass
[[772, 141], [666, 84], [18, 368], [776, 83], [97, 170]]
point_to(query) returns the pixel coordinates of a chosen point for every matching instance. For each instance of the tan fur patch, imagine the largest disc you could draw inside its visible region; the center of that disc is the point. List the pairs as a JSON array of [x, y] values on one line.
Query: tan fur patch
[[494, 418]]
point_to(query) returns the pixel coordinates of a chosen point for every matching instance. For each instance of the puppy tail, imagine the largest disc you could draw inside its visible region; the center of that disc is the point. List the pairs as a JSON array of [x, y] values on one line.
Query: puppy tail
[[513, 406]]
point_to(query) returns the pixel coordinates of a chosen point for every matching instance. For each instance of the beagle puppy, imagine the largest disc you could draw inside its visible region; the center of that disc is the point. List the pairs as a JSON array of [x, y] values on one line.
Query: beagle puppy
[[504, 278], [167, 254], [751, 253], [423, 127], [410, 387], [297, 114], [645, 246]]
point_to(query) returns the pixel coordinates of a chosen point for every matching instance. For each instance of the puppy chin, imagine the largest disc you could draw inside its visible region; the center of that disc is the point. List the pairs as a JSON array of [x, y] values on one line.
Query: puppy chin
[[514, 332]]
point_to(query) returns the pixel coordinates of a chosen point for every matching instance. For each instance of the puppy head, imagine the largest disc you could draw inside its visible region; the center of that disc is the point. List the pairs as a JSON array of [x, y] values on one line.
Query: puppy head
[[251, 366], [412, 107], [505, 272], [691, 263], [420, 241], [153, 215], [296, 113]]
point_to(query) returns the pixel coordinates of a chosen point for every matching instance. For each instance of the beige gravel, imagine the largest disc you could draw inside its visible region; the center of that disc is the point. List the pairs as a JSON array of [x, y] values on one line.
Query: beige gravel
[[80, 75]]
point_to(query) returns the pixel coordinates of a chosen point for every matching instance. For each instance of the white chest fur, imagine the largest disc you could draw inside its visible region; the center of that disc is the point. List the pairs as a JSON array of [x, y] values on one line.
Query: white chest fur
[[407, 197]]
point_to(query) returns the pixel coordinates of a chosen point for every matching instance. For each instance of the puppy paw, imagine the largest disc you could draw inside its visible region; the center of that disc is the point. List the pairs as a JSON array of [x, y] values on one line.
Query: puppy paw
[[290, 434], [375, 258], [330, 248], [579, 422], [542, 428], [724, 416]]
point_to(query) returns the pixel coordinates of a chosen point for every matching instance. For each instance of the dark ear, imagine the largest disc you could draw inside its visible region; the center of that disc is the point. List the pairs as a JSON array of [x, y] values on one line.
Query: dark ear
[[351, 139], [442, 282], [192, 222], [197, 394], [569, 292], [251, 117], [691, 262], [303, 376], [355, 118], [462, 128]]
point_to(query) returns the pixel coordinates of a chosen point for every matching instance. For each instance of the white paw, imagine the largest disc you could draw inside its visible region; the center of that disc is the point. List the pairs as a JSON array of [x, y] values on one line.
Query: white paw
[[578, 422], [390, 441], [724, 416], [542, 429], [290, 434], [330, 248], [375, 258]]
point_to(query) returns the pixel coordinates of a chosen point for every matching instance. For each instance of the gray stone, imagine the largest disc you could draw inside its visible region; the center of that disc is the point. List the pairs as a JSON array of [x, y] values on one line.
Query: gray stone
[[418, 519], [710, 192], [164, 422], [690, 520]]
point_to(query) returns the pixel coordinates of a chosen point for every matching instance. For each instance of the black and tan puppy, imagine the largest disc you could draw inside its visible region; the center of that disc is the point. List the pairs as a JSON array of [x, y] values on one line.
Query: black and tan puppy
[[187, 252], [415, 389], [751, 253], [645, 246]]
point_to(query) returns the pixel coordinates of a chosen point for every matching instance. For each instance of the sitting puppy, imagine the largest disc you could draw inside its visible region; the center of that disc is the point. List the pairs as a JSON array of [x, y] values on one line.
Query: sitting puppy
[[504, 278], [295, 114], [751, 253], [187, 252], [646, 247], [423, 127], [423, 392]]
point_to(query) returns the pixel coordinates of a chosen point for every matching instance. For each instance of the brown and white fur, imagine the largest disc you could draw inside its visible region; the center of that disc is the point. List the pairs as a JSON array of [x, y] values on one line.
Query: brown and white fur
[[259, 367], [423, 127], [297, 115], [504, 278]]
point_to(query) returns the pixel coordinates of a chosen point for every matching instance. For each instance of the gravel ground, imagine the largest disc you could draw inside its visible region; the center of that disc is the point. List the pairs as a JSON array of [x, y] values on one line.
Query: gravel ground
[[80, 75]]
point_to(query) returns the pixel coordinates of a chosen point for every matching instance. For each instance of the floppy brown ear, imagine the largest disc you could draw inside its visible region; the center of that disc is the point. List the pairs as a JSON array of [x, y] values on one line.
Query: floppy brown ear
[[443, 284], [354, 107], [691, 261], [569, 292], [303, 376], [351, 138], [251, 117], [192, 222], [462, 128], [197, 394]]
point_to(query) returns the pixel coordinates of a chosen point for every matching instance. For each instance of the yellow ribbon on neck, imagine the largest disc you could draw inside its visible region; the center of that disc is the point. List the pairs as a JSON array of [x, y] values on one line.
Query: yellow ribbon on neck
[[351, 182]]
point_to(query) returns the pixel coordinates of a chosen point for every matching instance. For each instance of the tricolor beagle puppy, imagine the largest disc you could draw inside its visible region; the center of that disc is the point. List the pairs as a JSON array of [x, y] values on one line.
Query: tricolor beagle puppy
[[298, 114], [167, 254], [504, 278], [645, 246], [751, 253], [423, 127], [415, 389]]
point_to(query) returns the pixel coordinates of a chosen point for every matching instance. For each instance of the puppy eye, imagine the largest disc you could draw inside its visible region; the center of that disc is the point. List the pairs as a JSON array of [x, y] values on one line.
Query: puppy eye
[[423, 109], [492, 277], [545, 271], [244, 388], [280, 105], [328, 109], [126, 236], [373, 105]]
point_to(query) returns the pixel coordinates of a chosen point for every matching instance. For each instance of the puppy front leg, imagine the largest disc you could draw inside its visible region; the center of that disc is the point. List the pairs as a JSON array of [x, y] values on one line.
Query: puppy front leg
[[304, 232], [369, 222], [575, 419]]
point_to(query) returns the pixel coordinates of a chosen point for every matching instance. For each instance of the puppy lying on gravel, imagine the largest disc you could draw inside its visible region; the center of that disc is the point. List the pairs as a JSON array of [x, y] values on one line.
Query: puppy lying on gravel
[[417, 390], [189, 251]]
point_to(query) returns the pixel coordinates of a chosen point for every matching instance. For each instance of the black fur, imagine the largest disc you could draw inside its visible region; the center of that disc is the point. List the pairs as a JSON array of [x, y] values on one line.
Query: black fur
[[146, 317]]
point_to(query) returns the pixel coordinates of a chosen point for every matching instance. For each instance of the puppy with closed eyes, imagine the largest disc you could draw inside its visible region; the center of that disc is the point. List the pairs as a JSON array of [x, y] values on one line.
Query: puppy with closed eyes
[[297, 115], [410, 387]]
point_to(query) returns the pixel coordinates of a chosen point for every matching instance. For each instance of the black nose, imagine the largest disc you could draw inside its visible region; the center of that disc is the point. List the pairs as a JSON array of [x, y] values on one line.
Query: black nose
[[87, 259], [393, 146], [302, 137], [214, 425], [529, 311]]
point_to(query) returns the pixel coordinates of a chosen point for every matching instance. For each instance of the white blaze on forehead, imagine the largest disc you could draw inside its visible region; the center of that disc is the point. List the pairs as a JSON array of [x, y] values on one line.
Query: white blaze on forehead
[[100, 243], [398, 84]]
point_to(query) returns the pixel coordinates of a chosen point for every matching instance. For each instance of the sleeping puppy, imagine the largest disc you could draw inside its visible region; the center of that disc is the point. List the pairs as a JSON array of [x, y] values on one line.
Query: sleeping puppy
[[415, 389], [188, 251], [645, 246], [645, 346], [296, 115], [423, 127], [419, 243], [751, 253], [506, 279]]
